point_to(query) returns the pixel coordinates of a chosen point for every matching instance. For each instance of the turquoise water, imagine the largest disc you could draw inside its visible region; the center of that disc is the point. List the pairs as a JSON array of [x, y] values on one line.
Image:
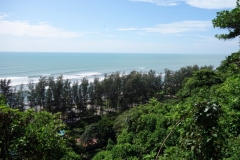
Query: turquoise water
[[21, 67]]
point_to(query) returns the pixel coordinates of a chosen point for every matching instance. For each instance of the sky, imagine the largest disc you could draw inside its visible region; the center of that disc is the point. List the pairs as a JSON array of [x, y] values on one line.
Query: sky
[[113, 26]]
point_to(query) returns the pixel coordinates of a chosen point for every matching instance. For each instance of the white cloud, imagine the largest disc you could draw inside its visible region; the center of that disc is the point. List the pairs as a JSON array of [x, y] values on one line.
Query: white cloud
[[161, 2], [207, 4], [175, 27], [180, 27], [23, 28], [212, 4], [2, 16]]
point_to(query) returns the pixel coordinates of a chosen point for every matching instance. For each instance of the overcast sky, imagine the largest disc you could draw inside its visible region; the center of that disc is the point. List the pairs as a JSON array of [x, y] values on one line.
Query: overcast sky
[[113, 26]]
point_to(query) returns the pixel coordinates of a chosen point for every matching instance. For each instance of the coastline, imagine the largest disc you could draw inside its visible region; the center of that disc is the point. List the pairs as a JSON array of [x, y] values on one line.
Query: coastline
[[21, 68]]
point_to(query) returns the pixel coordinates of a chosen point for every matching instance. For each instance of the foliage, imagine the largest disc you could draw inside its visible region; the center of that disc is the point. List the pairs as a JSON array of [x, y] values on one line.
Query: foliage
[[231, 65], [115, 93], [173, 80], [202, 79], [5, 89], [2, 99], [70, 155], [208, 108], [141, 130], [30, 135], [202, 133], [203, 125], [228, 20], [228, 93], [102, 131]]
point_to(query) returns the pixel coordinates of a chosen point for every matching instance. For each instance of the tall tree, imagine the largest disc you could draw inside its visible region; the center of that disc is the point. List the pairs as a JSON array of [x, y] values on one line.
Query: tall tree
[[5, 88], [21, 95], [13, 100], [57, 94], [40, 91], [31, 94], [75, 93], [67, 98], [98, 92], [49, 95], [91, 98], [84, 94]]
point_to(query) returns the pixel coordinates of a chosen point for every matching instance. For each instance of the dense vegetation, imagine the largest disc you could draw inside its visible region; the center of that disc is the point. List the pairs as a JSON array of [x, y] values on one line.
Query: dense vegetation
[[89, 108], [192, 113], [201, 123], [114, 93], [32, 135]]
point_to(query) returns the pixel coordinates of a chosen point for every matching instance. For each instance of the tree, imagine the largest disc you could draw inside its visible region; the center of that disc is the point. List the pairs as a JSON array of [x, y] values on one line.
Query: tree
[[12, 101], [57, 94], [5, 88], [2, 99], [201, 80], [67, 98], [231, 65], [138, 131], [203, 135], [49, 95], [228, 20], [31, 94], [31, 135], [75, 94], [40, 91], [153, 83], [173, 80], [20, 96], [67, 95], [84, 94], [98, 91]]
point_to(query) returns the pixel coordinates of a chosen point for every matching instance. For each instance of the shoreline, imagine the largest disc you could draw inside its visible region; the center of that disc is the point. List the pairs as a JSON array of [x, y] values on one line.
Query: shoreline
[[17, 81]]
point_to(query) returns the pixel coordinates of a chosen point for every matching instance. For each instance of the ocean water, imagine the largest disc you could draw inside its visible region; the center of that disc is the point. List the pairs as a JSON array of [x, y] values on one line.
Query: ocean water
[[21, 67]]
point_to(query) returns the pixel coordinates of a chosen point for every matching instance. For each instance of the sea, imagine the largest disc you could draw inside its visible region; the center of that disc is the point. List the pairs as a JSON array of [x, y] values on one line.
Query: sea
[[22, 67]]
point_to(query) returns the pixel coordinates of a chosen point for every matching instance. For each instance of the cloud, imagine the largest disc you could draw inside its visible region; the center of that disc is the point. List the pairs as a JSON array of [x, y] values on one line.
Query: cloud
[[175, 27], [212, 4], [23, 28], [206, 4], [161, 2], [2, 16]]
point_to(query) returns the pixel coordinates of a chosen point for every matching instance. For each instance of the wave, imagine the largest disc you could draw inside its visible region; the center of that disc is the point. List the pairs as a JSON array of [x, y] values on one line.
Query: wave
[[39, 75], [13, 78], [80, 76], [15, 81], [89, 74], [69, 72]]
